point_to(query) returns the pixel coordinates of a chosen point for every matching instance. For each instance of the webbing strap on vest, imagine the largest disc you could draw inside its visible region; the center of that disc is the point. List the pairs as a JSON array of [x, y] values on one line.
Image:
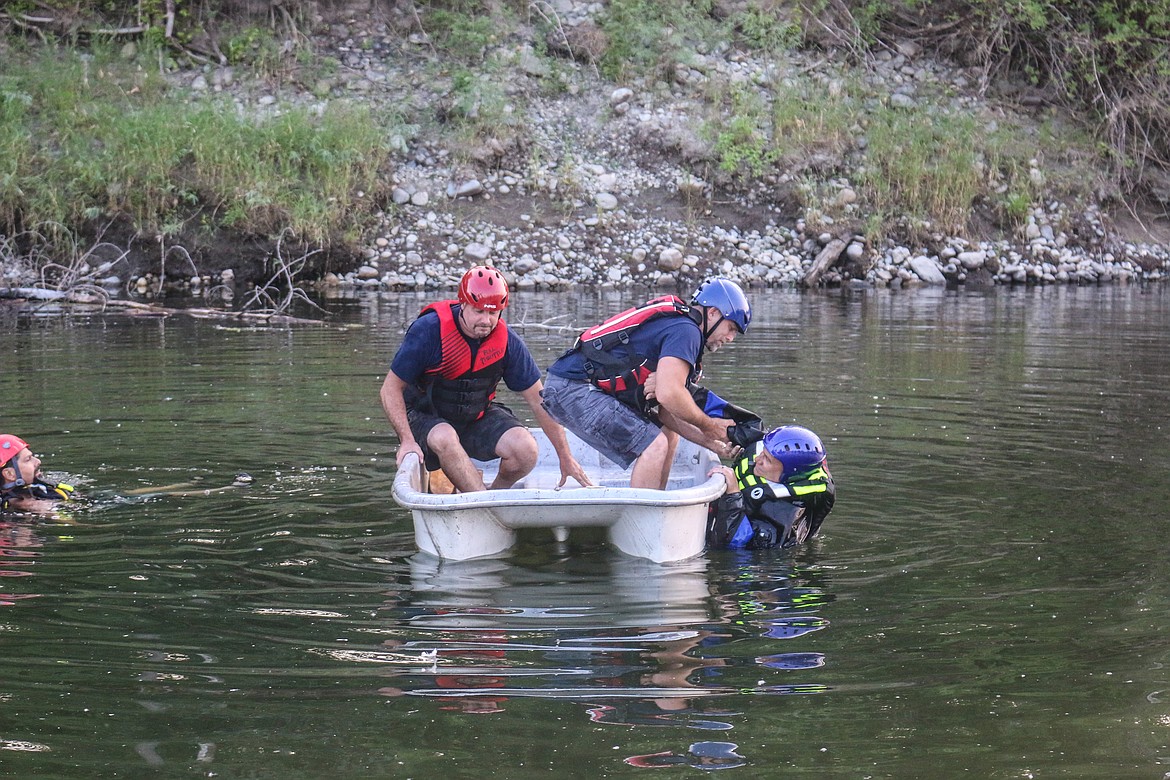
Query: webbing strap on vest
[[815, 481]]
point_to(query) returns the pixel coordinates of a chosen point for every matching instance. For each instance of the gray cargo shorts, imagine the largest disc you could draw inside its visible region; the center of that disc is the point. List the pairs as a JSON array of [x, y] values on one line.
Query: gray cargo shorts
[[597, 418]]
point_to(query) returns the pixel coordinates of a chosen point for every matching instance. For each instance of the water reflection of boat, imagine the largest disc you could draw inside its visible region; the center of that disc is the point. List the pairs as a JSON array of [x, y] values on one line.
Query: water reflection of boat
[[493, 593], [636, 643], [659, 525]]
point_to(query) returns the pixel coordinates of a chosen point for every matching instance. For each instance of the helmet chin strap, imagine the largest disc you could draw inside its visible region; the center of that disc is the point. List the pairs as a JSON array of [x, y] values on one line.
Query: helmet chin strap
[[19, 481], [707, 331], [463, 326]]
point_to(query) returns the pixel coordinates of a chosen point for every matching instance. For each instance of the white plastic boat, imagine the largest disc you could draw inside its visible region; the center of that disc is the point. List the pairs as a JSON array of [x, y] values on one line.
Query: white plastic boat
[[659, 525]]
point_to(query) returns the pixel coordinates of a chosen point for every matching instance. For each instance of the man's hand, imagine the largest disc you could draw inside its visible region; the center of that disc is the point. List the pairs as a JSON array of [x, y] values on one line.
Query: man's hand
[[405, 448], [728, 477], [556, 436], [723, 445], [650, 387], [571, 468]]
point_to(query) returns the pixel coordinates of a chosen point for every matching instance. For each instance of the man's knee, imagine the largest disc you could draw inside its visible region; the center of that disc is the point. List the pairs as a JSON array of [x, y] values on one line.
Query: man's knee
[[519, 447], [442, 440]]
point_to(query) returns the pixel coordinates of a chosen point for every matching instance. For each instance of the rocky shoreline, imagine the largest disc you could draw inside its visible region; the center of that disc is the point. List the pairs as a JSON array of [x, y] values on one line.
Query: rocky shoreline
[[422, 248], [601, 192]]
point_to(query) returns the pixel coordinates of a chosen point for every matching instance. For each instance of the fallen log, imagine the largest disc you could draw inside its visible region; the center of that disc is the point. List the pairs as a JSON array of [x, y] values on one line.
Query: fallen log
[[824, 261], [152, 309]]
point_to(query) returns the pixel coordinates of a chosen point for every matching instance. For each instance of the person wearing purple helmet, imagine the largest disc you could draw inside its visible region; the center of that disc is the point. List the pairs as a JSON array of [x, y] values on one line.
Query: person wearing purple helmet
[[777, 495], [625, 387]]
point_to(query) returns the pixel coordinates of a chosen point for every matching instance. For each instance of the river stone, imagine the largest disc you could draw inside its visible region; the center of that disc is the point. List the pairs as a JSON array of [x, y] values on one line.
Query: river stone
[[606, 201], [670, 260], [972, 260], [927, 270], [477, 252], [619, 96], [525, 265], [467, 189]]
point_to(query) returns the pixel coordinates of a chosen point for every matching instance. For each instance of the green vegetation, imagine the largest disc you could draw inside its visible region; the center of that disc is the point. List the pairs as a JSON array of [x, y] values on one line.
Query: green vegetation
[[923, 169], [86, 140], [1109, 61]]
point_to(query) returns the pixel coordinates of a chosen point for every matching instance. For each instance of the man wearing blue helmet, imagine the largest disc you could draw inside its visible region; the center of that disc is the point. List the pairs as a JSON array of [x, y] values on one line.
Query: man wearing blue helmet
[[598, 389], [777, 495]]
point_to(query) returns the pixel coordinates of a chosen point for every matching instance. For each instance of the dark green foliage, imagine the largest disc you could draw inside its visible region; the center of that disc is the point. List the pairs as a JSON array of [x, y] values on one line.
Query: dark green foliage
[[1110, 59]]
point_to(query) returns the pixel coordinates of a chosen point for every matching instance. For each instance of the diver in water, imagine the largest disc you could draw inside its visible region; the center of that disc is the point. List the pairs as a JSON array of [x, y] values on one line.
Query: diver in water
[[778, 494], [22, 484], [24, 489]]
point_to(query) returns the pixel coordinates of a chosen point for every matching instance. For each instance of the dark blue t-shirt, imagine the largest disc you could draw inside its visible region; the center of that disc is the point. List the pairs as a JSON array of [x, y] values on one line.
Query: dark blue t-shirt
[[422, 349], [670, 336]]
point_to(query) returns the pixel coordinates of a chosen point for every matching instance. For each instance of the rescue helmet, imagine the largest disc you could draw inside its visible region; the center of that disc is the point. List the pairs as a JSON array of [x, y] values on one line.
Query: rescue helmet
[[798, 449], [726, 296], [483, 287], [9, 447]]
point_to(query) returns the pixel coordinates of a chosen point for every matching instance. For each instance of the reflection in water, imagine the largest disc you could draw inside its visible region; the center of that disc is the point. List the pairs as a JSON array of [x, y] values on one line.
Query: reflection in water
[[638, 644], [700, 755], [21, 540], [19, 544]]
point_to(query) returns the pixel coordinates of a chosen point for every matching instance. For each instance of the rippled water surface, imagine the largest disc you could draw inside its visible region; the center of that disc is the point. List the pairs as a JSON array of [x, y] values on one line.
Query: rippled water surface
[[989, 598]]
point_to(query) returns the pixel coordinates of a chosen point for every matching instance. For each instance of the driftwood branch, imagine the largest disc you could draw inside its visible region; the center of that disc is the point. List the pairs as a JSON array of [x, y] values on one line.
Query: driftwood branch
[[80, 298], [824, 261]]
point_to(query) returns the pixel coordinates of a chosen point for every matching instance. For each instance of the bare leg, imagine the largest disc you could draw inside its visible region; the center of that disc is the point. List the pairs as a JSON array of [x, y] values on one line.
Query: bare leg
[[517, 450], [648, 467], [456, 464], [672, 445]]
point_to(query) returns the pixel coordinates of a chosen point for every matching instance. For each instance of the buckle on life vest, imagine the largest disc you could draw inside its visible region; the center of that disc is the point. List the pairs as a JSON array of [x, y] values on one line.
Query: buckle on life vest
[[635, 377]]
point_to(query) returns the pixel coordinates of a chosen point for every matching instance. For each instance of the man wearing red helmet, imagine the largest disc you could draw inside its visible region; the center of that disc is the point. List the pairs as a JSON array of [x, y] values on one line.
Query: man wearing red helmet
[[22, 485], [440, 390]]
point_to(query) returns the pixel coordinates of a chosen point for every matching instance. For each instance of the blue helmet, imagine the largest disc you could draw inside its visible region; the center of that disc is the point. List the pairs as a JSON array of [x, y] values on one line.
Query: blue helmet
[[798, 449], [726, 296]]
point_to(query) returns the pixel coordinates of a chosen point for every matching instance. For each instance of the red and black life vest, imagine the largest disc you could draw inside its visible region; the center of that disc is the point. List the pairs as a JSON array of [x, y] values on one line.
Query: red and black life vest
[[624, 377], [464, 383]]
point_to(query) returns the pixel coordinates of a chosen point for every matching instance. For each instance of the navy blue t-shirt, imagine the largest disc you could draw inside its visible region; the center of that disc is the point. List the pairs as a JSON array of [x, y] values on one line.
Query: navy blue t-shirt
[[670, 336], [422, 349]]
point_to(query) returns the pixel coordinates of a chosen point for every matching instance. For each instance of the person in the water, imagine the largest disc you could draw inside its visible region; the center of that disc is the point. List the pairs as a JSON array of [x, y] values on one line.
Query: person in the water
[[778, 494], [23, 487]]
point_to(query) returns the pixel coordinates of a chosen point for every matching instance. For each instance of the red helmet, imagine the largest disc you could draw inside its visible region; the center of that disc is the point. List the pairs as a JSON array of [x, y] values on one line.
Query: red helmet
[[484, 288], [9, 446]]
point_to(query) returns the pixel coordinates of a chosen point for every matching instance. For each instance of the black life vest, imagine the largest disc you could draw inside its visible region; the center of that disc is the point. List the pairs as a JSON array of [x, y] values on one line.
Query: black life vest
[[462, 386], [813, 492], [37, 491], [624, 377]]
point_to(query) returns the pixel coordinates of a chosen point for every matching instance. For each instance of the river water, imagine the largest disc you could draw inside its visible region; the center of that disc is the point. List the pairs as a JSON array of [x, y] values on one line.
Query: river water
[[990, 597]]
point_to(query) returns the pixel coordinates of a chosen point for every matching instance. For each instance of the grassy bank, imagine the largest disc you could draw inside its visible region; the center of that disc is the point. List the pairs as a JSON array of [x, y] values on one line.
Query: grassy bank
[[89, 141], [93, 140]]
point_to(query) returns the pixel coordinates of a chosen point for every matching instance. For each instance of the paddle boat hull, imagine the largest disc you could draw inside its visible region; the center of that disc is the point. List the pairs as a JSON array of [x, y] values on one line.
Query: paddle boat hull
[[658, 525]]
